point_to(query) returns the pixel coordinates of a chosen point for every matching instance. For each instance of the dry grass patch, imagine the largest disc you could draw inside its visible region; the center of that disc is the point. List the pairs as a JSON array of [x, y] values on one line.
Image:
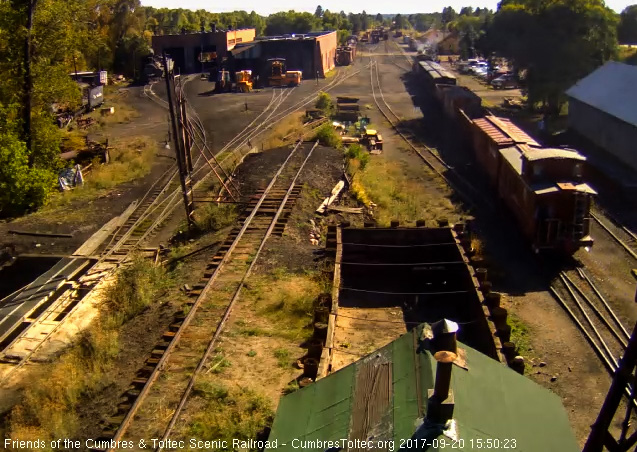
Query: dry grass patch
[[401, 192], [292, 126], [48, 407], [131, 159]]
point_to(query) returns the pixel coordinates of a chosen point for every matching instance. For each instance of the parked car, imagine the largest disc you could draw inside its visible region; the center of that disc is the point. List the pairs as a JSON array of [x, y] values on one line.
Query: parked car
[[478, 68], [504, 82]]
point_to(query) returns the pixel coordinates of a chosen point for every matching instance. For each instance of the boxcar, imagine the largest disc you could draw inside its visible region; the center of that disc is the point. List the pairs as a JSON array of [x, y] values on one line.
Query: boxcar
[[433, 74]]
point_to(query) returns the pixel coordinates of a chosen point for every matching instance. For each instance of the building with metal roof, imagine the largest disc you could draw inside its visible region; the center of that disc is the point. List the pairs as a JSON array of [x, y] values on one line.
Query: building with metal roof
[[603, 108], [424, 391]]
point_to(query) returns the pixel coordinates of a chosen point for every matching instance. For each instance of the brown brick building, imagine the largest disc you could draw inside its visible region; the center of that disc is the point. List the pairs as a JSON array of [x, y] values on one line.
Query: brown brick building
[[203, 51]]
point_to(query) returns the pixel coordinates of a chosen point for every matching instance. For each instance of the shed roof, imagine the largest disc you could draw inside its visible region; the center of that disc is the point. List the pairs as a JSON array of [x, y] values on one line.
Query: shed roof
[[611, 89], [384, 396]]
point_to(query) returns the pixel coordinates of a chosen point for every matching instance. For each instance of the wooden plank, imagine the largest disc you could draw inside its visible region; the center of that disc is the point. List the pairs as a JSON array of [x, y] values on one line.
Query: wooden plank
[[346, 209], [336, 287], [40, 234], [94, 241]]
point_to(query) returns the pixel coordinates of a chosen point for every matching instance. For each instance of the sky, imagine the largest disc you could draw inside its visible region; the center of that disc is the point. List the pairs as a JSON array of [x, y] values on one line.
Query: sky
[[265, 7]]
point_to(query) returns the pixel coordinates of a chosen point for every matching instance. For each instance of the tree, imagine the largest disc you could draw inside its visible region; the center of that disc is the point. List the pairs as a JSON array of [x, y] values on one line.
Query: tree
[[627, 29], [557, 43], [400, 22], [379, 18], [364, 21], [318, 12], [448, 15]]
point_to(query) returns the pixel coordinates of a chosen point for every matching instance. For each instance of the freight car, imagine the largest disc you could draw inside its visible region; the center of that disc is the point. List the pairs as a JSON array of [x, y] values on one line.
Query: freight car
[[433, 74], [543, 188]]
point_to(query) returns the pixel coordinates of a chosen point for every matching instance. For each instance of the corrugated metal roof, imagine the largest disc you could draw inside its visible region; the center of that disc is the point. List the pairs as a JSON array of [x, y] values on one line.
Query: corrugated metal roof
[[491, 401], [611, 89], [503, 132]]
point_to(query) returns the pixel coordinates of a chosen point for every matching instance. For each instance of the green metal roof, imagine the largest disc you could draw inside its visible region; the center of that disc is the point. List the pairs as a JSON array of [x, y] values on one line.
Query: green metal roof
[[379, 396]]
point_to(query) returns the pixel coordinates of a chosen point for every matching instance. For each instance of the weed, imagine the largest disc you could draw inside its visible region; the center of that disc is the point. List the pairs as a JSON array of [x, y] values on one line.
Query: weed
[[220, 363], [230, 413], [213, 217], [284, 132], [356, 152], [137, 286], [252, 353], [520, 334], [283, 357], [291, 387], [252, 331]]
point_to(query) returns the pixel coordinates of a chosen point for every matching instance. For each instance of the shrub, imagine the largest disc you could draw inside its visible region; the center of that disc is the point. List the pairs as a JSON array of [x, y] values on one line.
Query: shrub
[[327, 136], [21, 187], [136, 287], [213, 217], [324, 103], [357, 152]]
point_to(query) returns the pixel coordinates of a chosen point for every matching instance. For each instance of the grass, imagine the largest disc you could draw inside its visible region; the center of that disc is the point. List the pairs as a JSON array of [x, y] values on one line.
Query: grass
[[520, 334], [283, 357], [131, 159], [212, 217], [124, 112], [285, 302], [627, 55], [228, 413], [47, 410], [399, 192], [292, 127]]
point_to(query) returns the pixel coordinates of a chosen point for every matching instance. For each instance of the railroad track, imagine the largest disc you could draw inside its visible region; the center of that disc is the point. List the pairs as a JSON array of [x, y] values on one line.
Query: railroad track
[[214, 297], [623, 236], [155, 207], [594, 317], [469, 193]]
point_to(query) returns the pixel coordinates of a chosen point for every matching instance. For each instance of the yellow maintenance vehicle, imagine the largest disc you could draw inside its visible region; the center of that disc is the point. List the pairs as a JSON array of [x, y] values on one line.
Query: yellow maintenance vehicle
[[244, 81], [279, 76]]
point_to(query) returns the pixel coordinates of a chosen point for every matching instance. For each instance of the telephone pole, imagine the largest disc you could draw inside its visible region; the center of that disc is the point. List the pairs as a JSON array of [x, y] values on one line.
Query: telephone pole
[[180, 141]]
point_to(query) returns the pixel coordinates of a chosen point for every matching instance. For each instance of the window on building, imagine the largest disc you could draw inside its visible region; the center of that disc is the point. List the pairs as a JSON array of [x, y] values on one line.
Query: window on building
[[577, 171], [230, 42], [537, 170], [239, 40]]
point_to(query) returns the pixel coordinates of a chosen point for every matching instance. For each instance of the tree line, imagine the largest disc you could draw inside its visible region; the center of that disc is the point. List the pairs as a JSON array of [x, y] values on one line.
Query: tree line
[[42, 41]]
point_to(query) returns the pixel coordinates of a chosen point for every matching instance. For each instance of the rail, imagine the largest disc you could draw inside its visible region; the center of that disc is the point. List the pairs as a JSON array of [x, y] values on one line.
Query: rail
[[249, 231]]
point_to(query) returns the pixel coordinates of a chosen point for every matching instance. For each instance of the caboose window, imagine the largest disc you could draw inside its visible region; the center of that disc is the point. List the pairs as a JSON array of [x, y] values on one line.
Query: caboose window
[[577, 171], [537, 170]]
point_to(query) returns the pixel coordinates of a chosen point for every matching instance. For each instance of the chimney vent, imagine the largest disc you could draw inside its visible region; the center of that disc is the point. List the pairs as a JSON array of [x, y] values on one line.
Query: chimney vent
[[441, 401], [444, 332]]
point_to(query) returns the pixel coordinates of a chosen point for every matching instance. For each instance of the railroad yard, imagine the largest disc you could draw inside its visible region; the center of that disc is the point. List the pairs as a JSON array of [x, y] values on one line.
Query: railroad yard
[[230, 325]]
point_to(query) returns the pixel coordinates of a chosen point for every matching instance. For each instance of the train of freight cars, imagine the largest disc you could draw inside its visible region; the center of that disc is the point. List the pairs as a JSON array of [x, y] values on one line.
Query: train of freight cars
[[543, 188]]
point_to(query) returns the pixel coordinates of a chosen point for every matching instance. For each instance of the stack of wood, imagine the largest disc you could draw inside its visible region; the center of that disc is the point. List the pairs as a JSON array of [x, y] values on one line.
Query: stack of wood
[[347, 109], [84, 123], [92, 150]]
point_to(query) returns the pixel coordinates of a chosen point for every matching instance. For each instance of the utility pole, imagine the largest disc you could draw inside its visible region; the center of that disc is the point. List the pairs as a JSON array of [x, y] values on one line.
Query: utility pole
[[600, 435], [180, 152]]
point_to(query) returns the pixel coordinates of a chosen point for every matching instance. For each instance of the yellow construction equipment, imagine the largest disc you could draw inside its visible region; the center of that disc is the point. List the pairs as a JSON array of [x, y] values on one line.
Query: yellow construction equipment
[[277, 74], [293, 78], [280, 77], [244, 81]]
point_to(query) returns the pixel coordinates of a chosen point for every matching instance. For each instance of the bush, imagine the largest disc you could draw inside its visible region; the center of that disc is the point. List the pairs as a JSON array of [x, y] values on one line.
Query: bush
[[213, 217], [136, 287], [327, 136], [324, 103], [356, 152], [22, 188]]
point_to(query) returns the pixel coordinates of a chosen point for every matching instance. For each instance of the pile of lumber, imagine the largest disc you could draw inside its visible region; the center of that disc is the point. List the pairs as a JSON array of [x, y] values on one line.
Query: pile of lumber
[[347, 108]]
